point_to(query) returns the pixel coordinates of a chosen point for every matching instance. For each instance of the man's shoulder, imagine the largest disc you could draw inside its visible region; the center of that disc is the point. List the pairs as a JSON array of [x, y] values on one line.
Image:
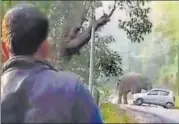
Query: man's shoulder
[[65, 75], [68, 75], [58, 78]]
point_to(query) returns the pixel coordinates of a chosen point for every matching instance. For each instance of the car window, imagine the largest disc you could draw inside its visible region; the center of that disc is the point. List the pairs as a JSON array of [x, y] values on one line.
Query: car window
[[163, 93], [154, 92]]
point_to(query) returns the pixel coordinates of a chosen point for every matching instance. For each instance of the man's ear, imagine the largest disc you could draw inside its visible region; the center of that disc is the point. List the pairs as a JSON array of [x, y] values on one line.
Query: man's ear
[[4, 50]]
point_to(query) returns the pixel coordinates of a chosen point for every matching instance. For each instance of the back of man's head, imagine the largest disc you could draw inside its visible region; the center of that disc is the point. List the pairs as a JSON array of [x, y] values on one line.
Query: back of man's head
[[24, 29]]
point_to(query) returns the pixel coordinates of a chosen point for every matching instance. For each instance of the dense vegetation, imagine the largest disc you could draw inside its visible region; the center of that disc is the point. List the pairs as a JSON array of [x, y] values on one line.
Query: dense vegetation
[[169, 30], [165, 44]]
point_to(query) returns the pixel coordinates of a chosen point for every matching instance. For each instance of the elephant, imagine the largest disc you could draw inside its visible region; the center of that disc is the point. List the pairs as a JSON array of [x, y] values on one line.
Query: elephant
[[132, 82]]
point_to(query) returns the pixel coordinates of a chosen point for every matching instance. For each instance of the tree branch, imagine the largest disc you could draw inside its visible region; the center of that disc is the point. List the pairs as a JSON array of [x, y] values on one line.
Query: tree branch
[[75, 40], [114, 8]]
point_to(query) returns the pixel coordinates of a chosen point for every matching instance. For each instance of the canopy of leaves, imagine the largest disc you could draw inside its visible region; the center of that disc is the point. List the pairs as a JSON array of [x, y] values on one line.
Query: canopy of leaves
[[137, 25]]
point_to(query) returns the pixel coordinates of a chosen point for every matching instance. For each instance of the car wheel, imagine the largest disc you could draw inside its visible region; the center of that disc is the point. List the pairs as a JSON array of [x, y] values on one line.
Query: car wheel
[[139, 101], [169, 105]]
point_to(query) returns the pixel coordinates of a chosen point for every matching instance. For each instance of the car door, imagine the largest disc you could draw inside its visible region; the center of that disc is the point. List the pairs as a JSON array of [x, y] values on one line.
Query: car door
[[163, 96], [152, 96]]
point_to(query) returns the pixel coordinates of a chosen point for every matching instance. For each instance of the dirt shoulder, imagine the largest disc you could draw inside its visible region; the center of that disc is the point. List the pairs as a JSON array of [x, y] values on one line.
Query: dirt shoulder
[[111, 113]]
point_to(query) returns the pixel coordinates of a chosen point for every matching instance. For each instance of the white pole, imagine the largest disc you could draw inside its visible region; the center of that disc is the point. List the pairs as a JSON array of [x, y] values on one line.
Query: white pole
[[92, 53]]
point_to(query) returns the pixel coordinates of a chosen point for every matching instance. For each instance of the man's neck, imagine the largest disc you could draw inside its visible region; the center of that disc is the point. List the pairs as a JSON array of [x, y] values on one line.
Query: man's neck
[[28, 57], [38, 58]]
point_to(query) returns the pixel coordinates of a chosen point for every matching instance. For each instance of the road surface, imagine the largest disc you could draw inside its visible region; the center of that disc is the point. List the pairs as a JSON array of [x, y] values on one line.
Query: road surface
[[165, 115], [156, 113], [142, 117]]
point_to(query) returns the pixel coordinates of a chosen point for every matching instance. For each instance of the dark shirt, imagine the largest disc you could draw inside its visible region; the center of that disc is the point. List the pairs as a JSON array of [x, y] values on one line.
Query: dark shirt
[[51, 96]]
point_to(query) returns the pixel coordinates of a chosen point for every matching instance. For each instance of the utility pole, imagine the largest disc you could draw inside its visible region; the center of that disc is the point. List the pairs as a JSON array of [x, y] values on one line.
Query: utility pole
[[92, 50]]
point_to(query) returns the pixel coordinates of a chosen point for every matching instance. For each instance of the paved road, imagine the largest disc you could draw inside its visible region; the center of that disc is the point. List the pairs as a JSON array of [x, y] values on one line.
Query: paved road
[[168, 115], [142, 117]]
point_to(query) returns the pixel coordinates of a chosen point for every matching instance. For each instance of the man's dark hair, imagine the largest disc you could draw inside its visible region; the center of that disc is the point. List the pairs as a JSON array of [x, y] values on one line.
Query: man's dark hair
[[24, 28]]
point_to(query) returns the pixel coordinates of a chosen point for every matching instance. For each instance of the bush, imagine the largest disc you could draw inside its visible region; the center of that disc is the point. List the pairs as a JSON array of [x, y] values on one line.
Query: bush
[[112, 114]]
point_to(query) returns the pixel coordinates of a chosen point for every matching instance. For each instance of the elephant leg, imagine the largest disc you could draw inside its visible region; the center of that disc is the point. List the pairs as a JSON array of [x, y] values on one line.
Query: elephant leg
[[119, 98], [125, 98]]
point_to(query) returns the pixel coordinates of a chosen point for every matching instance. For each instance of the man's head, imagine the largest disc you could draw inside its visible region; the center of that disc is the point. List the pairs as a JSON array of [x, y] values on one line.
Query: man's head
[[24, 32]]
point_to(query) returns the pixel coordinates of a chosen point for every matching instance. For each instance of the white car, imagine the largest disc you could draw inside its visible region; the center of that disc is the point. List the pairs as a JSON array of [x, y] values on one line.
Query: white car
[[156, 96]]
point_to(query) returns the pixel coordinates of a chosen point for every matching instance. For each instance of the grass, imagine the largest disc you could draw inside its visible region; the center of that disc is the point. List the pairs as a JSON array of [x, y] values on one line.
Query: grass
[[112, 114], [177, 102]]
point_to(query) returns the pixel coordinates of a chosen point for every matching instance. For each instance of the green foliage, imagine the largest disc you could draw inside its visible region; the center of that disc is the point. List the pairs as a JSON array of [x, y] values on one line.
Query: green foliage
[[109, 61], [106, 62], [168, 70], [177, 102], [112, 114], [169, 10], [168, 27], [104, 93], [138, 24]]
